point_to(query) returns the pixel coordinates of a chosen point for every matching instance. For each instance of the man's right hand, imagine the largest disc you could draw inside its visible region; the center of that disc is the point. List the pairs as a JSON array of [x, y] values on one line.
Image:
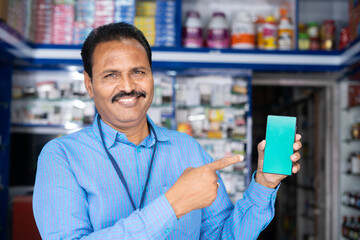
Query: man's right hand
[[197, 188]]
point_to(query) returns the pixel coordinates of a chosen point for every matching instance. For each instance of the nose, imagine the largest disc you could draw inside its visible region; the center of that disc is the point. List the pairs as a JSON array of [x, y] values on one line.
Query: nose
[[126, 84]]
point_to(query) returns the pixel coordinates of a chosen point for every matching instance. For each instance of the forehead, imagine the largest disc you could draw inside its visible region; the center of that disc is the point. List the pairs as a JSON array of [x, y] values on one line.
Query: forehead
[[116, 49]]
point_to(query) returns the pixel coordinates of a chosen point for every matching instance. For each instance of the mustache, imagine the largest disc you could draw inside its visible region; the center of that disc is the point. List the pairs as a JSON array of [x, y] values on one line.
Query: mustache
[[133, 93]]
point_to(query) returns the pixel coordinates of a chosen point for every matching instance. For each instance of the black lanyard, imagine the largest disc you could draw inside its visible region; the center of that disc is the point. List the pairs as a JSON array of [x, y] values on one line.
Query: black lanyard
[[118, 171]]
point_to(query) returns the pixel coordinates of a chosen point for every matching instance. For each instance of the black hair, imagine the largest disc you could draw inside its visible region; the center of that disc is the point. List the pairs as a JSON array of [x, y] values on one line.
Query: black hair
[[110, 32]]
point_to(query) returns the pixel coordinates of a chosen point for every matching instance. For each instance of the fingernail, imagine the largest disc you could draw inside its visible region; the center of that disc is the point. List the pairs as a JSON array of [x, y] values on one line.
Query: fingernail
[[241, 157], [297, 145]]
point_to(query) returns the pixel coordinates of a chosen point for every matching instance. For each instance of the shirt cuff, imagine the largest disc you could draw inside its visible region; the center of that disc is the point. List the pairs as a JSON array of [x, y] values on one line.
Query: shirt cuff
[[161, 216], [260, 195]]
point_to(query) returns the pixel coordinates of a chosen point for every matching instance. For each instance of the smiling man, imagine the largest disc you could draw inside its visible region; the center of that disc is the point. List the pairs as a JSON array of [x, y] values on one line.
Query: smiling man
[[123, 177]]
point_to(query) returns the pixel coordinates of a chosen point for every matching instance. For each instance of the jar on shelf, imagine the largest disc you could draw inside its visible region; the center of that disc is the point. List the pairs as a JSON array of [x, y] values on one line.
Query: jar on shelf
[[303, 41], [269, 33], [313, 31], [327, 35], [242, 31]]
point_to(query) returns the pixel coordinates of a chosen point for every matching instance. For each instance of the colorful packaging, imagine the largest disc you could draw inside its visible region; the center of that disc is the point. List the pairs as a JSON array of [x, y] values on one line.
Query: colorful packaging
[[192, 30], [313, 31], [285, 34], [259, 32], [165, 23], [303, 41], [242, 31], [269, 33], [327, 35], [218, 31]]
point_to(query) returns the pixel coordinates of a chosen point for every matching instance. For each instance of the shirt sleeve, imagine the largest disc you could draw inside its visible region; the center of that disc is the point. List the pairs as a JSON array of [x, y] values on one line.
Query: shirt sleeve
[[246, 220], [61, 209]]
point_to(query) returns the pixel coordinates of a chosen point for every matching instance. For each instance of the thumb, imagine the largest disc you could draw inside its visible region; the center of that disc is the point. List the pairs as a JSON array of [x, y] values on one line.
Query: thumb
[[261, 150]]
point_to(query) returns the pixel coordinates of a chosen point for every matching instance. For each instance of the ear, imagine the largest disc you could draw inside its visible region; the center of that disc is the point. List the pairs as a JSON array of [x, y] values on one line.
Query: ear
[[88, 84]]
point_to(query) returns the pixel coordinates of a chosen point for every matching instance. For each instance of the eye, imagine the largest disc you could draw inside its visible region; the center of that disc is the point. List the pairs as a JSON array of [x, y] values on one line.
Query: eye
[[110, 75], [139, 72]]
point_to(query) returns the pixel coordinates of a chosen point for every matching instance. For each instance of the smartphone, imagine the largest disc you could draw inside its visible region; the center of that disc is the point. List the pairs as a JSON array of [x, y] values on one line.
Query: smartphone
[[280, 137]]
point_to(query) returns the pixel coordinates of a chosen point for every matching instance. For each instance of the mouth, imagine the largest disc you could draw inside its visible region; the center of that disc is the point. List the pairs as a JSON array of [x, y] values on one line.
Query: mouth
[[126, 100]]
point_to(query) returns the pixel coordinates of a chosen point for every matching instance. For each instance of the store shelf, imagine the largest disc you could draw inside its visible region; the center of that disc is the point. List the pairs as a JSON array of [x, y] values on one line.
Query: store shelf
[[181, 58]]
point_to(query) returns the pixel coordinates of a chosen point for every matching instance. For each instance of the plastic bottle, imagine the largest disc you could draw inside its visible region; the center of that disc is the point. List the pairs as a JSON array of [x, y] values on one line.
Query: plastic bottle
[[242, 31], [193, 30], [218, 31], [285, 34], [269, 33]]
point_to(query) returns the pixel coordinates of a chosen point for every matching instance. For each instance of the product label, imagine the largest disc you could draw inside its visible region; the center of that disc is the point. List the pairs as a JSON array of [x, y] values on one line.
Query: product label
[[285, 39], [269, 38], [192, 37], [218, 38], [243, 38]]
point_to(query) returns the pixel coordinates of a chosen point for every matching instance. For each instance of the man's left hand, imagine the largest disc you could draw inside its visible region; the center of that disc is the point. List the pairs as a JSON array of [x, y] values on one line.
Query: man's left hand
[[272, 180]]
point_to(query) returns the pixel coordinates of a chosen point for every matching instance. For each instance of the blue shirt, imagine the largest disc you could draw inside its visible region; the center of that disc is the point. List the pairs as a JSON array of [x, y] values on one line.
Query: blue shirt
[[78, 194]]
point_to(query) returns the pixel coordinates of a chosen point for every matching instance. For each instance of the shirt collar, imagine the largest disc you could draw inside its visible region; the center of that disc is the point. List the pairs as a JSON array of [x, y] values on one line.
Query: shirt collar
[[111, 135]]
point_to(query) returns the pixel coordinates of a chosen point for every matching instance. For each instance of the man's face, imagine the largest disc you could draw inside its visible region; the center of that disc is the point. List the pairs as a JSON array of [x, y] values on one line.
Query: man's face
[[122, 84]]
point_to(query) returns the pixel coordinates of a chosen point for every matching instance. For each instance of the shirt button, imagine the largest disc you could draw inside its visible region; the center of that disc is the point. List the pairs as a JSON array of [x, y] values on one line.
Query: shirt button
[[138, 149], [167, 230], [121, 137]]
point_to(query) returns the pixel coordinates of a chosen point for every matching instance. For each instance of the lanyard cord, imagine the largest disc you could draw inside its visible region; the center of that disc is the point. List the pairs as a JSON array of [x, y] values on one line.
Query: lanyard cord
[[118, 171]]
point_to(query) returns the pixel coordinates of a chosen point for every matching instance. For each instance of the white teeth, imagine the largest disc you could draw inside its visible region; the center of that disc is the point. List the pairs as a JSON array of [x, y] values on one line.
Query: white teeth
[[126, 100]]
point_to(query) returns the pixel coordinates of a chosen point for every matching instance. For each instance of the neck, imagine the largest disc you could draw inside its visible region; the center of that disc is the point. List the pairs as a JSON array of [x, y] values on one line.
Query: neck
[[134, 133]]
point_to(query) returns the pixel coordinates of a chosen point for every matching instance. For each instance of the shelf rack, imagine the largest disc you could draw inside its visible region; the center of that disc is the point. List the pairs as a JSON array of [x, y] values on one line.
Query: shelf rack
[[182, 58]]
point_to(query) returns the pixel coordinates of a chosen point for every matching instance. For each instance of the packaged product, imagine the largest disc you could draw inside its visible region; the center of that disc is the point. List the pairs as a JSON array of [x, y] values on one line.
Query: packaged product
[[269, 33], [313, 31], [242, 31], [218, 31], [327, 35], [303, 41], [192, 30], [285, 34], [344, 38], [259, 32]]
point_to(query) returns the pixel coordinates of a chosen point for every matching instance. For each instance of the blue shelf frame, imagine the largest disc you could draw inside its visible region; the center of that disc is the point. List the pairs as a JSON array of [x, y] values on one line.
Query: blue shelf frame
[[24, 53]]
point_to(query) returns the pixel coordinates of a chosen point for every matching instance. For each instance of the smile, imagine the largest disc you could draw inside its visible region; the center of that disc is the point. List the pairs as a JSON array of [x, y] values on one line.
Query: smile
[[126, 100]]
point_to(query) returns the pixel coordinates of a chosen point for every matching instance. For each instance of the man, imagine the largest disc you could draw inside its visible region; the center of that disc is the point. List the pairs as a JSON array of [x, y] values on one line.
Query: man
[[125, 178]]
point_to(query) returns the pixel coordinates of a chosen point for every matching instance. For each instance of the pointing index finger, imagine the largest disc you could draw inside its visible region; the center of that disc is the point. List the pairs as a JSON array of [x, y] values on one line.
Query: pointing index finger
[[225, 162]]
